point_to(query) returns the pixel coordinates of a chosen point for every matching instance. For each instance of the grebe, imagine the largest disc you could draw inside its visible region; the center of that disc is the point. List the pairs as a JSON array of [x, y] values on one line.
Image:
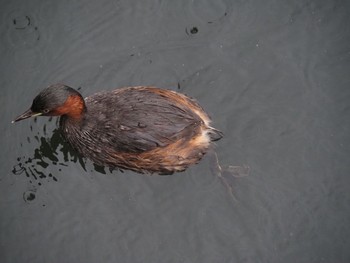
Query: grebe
[[143, 129]]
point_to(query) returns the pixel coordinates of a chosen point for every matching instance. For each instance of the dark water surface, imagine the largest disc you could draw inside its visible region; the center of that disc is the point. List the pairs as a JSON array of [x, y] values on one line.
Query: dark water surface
[[275, 77]]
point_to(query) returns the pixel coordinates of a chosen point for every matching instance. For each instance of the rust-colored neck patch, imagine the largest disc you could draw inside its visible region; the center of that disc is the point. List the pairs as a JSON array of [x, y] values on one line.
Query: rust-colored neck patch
[[73, 107]]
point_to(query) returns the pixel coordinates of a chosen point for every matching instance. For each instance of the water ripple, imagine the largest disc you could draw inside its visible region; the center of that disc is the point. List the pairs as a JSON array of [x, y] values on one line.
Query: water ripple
[[22, 29]]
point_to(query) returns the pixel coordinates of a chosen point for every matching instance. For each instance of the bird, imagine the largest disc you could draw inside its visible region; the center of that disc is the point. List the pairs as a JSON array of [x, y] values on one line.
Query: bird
[[144, 129]]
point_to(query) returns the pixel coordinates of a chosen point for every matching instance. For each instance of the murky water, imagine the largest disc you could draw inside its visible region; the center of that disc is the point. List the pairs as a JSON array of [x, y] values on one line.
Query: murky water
[[273, 75]]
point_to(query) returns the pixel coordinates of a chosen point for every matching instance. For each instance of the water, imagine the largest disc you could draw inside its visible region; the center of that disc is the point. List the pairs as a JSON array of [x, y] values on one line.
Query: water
[[274, 76]]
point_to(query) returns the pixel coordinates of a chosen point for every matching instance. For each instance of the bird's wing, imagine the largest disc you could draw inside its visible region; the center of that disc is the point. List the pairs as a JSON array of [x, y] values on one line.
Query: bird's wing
[[141, 119]]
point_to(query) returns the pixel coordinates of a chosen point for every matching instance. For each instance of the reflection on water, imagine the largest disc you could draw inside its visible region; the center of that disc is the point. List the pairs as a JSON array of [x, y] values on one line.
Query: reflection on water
[[50, 151], [47, 153]]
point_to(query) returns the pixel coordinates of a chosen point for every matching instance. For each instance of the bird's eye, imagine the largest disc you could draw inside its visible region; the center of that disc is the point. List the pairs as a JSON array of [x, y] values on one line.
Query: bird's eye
[[46, 111]]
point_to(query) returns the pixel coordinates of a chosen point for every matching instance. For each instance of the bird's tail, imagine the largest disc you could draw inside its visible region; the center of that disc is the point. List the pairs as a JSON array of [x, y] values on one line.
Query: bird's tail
[[214, 134]]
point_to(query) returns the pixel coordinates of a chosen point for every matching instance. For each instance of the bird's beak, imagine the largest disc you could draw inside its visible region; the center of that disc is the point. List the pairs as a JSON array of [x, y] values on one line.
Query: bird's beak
[[27, 114]]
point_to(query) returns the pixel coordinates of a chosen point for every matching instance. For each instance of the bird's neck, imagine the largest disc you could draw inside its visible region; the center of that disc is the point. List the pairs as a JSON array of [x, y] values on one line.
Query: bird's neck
[[73, 108]]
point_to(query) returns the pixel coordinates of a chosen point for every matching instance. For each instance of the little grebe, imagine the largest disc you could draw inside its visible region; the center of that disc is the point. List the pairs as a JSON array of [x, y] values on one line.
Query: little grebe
[[143, 129]]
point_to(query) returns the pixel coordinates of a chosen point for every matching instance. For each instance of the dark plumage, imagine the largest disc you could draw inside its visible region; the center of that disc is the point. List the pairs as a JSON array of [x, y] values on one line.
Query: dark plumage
[[144, 129]]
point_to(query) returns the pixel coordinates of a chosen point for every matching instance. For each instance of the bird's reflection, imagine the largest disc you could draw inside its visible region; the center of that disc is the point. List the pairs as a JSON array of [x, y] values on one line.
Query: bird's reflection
[[52, 150]]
